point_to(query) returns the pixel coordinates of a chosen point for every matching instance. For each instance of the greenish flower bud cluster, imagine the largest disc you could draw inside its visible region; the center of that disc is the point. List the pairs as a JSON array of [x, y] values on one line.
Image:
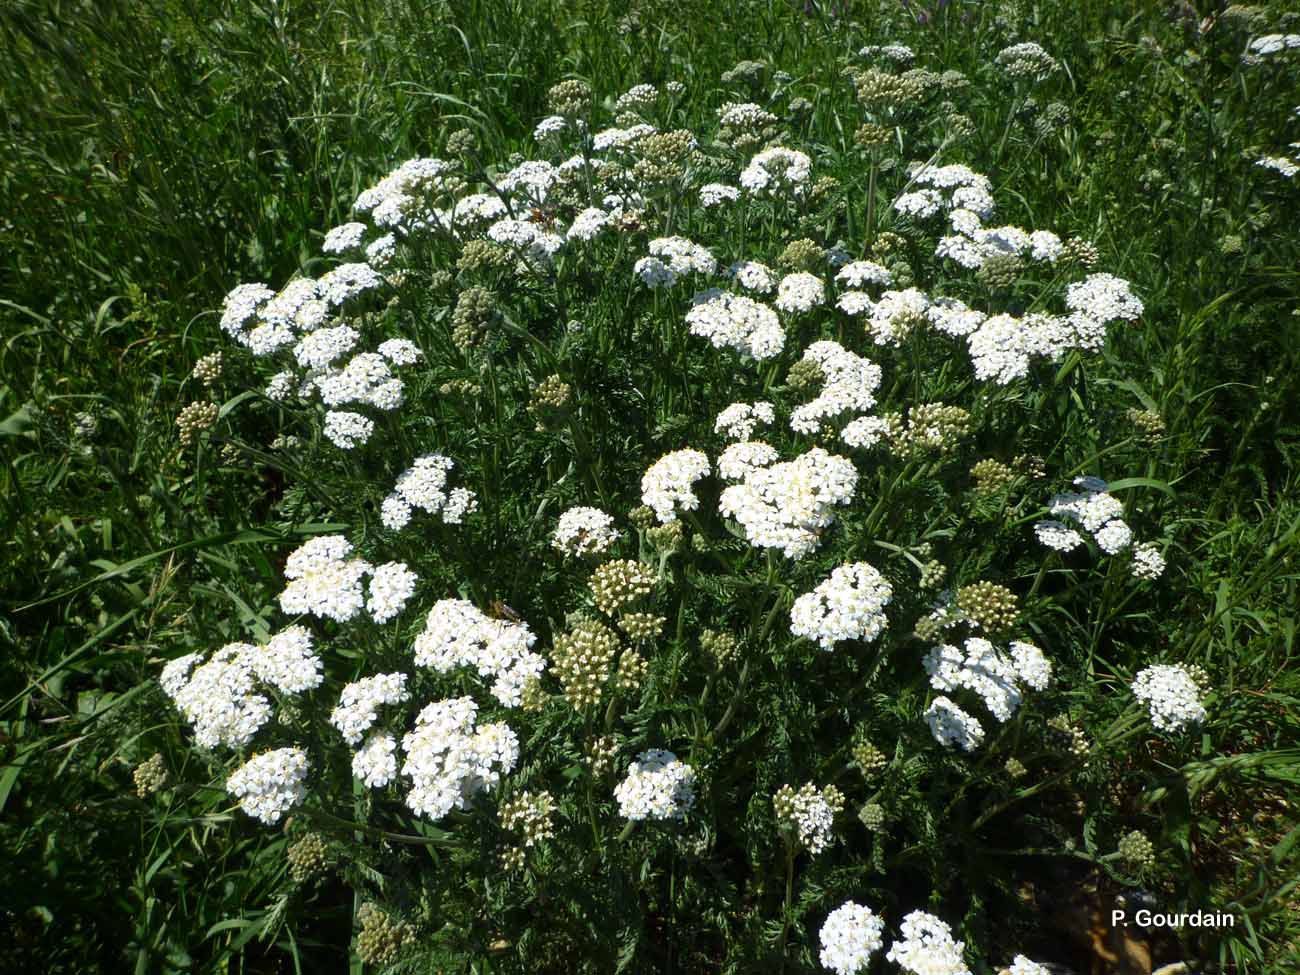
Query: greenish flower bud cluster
[[641, 627], [1137, 851], [872, 816], [619, 583], [529, 813], [194, 419], [208, 369], [719, 644], [306, 857], [992, 606], [382, 938], [474, 311], [569, 98], [582, 659], [150, 776]]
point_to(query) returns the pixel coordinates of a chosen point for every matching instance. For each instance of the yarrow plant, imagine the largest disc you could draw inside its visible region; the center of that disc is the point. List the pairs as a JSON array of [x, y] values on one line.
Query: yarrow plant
[[719, 415]]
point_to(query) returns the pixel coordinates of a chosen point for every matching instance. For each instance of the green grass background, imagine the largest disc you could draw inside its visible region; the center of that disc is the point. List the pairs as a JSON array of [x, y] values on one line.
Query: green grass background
[[158, 152]]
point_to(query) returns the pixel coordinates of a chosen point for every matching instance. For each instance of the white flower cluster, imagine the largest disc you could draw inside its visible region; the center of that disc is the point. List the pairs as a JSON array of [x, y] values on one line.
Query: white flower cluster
[[360, 701], [400, 201], [1282, 165], [375, 763], [950, 725], [777, 172], [950, 188], [811, 812], [424, 485], [995, 676], [1267, 44], [744, 115], [737, 421], [287, 661], [671, 258], [1100, 514], [325, 582], [788, 505], [753, 276], [1171, 695], [457, 634], [927, 947], [584, 531], [270, 784], [850, 605], [892, 318], [1022, 965], [366, 379], [851, 935], [449, 761], [668, 482], [391, 585], [973, 244], [218, 697], [736, 322], [800, 292], [850, 387], [658, 786], [716, 194], [738, 460]]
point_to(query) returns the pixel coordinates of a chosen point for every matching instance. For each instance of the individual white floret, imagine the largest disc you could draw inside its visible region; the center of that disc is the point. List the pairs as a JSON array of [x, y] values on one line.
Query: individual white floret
[[850, 605]]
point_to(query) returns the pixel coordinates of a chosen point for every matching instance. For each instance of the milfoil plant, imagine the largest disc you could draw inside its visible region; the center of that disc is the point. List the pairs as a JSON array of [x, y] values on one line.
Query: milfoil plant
[[709, 540]]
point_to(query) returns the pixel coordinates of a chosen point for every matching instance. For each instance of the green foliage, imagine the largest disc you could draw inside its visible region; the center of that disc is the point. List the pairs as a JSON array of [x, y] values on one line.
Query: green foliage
[[160, 153]]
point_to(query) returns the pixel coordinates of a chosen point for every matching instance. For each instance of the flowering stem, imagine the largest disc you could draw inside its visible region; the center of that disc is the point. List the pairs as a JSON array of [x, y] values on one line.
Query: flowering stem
[[627, 831], [789, 896]]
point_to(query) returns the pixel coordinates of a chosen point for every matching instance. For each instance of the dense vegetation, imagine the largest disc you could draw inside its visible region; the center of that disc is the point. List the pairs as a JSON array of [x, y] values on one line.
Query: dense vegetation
[[159, 154]]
